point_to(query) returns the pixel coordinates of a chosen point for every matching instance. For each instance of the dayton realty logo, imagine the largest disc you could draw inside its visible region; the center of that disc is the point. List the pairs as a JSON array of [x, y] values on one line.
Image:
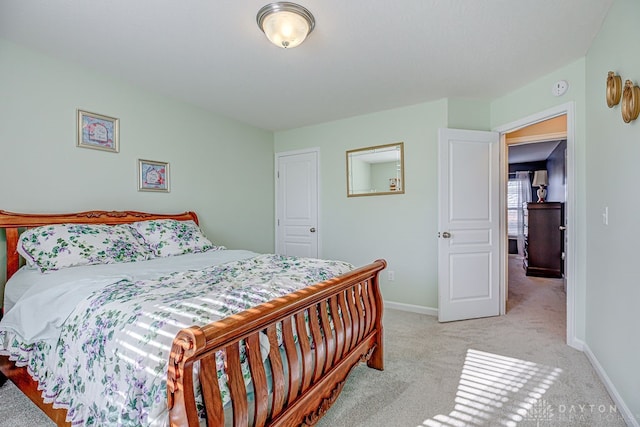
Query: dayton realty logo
[[540, 412], [589, 413], [544, 414]]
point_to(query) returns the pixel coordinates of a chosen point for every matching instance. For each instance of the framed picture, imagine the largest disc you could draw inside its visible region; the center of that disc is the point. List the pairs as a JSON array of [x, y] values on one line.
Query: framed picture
[[98, 131], [153, 176], [394, 184]]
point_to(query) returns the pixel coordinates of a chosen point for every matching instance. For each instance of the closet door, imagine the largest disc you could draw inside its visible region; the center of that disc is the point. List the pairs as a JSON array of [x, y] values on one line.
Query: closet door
[[297, 203]]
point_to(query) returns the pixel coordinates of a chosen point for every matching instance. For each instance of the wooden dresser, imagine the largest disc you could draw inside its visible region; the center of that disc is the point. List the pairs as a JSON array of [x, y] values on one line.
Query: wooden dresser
[[544, 239]]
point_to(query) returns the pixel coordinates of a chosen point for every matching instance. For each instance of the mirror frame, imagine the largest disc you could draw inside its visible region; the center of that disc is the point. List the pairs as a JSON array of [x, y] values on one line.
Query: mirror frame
[[378, 193]]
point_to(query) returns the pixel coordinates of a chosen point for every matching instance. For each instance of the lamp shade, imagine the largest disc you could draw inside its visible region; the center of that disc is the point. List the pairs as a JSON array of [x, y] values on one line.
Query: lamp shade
[[539, 178], [285, 24]]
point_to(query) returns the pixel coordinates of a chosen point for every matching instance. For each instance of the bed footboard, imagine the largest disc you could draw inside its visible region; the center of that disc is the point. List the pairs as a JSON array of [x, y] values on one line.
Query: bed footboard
[[302, 374]]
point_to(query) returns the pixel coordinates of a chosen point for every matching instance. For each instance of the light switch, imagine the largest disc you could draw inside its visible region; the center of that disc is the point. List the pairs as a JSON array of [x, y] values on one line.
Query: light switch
[[605, 215]]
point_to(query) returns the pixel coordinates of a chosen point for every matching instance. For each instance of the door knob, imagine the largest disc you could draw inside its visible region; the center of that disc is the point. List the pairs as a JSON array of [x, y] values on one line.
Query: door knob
[[312, 229], [446, 235], [562, 228]]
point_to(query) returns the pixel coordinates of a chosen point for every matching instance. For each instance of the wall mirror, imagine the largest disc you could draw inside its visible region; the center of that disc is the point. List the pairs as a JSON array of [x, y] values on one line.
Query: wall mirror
[[376, 171]]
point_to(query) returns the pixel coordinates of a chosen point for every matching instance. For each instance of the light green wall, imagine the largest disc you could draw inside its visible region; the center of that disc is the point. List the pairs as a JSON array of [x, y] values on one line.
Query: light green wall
[[400, 228], [612, 159], [536, 96], [466, 113], [220, 168]]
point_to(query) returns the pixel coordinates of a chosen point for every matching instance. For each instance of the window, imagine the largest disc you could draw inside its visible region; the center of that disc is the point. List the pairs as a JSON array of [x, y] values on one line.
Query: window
[[513, 206]]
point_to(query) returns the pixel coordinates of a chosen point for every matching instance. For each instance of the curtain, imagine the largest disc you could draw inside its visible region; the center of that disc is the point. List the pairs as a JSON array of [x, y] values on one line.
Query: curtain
[[524, 196]]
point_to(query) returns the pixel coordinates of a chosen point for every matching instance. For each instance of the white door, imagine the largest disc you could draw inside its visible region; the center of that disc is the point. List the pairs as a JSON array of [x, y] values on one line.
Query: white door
[[469, 224], [297, 203]]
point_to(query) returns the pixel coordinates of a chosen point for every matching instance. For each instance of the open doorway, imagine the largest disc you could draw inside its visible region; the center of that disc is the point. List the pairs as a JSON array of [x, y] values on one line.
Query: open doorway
[[567, 110], [536, 194]]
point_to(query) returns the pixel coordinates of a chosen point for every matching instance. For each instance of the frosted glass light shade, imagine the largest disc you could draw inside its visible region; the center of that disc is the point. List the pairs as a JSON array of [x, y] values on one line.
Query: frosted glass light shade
[[285, 24]]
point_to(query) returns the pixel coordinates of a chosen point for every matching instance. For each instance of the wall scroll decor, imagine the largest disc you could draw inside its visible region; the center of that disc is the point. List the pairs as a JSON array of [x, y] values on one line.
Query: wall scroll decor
[[614, 89], [97, 131], [630, 102], [153, 176]]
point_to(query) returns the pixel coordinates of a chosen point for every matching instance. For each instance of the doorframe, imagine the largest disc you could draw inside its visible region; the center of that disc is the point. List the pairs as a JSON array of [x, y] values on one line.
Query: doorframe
[[277, 157], [570, 210]]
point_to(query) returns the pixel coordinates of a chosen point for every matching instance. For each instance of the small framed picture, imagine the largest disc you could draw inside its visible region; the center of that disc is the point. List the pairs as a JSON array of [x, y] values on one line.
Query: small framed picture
[[98, 132], [153, 176], [394, 184]]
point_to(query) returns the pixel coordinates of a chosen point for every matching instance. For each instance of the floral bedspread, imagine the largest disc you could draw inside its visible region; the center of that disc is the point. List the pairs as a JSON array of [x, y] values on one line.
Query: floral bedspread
[[109, 364]]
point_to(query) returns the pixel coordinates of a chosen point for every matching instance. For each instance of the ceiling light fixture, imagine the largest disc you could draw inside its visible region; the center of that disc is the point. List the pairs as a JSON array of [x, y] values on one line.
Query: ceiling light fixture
[[285, 24]]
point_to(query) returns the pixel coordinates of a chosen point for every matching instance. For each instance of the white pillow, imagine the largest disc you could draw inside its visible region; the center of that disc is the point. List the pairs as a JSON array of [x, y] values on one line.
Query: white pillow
[[168, 237], [53, 247]]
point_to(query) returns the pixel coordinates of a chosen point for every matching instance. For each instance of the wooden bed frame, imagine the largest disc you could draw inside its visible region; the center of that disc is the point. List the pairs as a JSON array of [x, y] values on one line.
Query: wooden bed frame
[[343, 315]]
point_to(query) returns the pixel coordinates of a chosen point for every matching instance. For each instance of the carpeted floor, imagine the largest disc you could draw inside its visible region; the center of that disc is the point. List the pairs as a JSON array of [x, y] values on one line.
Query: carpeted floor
[[18, 411], [513, 370]]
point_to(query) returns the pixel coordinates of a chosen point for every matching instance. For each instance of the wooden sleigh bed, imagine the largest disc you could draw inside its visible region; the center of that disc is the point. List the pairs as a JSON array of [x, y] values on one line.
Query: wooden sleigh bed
[[343, 318]]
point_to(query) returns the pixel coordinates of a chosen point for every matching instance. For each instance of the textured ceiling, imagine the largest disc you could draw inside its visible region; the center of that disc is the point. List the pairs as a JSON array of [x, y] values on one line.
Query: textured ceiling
[[363, 56]]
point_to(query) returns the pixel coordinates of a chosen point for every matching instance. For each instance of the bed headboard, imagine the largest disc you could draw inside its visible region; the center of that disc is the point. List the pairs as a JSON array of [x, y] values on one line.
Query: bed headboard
[[14, 222]]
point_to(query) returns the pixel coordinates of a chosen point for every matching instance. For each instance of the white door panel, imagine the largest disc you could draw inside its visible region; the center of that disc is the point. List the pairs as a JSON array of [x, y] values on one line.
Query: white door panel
[[468, 249], [297, 242], [465, 270], [297, 204]]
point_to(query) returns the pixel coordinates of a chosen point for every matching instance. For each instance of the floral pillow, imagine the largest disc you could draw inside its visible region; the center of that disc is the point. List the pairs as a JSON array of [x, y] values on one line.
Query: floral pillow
[[168, 237], [68, 245]]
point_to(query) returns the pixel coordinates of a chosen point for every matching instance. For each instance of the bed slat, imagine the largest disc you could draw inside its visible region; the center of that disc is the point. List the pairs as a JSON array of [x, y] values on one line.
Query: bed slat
[[329, 339], [211, 390], [355, 320], [338, 328], [237, 390], [319, 348], [364, 289], [360, 310], [277, 372], [346, 316], [259, 379], [371, 311], [305, 349], [294, 365]]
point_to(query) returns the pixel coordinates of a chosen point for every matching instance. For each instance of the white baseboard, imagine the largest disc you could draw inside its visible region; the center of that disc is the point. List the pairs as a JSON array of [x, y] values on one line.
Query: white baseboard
[[576, 343], [411, 308], [626, 413]]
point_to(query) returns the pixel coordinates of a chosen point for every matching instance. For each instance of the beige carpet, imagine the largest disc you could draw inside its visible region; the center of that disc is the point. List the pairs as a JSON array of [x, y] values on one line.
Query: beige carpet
[[513, 370]]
